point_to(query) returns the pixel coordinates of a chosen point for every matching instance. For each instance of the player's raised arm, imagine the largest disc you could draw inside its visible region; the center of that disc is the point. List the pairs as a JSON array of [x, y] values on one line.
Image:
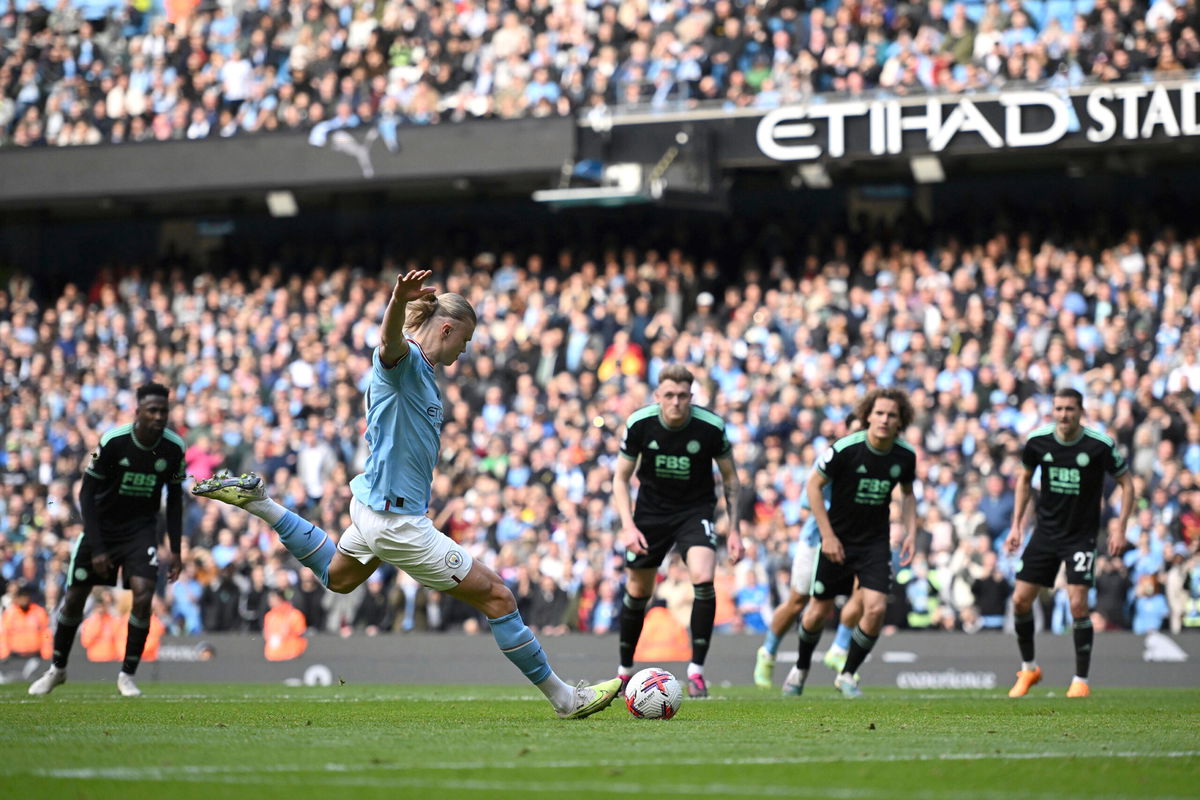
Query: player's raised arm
[[392, 347]]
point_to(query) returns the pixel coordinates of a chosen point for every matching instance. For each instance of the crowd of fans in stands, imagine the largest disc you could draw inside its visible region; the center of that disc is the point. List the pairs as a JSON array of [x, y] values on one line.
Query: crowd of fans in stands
[[268, 370], [90, 71]]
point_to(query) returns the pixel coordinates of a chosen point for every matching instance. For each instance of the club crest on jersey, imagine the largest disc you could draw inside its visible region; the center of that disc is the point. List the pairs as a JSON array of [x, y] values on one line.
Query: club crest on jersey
[[454, 559], [1082, 459], [160, 465], [894, 471], [693, 447], [80, 574]]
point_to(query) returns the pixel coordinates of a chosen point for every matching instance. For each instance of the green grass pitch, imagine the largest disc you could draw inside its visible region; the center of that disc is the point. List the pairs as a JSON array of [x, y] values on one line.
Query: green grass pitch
[[240, 741]]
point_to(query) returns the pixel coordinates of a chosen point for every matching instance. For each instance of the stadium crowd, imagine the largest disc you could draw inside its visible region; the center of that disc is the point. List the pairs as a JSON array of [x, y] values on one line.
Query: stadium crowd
[[90, 71], [268, 371]]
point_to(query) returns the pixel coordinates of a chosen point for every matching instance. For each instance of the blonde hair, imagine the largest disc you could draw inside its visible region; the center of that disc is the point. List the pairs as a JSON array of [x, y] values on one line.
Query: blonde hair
[[449, 306]]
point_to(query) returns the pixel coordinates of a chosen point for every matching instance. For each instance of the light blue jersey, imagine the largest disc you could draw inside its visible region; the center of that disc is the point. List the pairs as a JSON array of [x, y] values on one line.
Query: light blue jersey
[[810, 534], [404, 430]]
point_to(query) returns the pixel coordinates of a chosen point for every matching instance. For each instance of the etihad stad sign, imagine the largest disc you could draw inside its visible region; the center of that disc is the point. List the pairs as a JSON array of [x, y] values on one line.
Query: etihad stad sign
[[964, 123]]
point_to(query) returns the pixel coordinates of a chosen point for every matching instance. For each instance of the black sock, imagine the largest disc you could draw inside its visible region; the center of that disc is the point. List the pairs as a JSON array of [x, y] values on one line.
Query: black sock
[[1084, 634], [633, 614], [704, 611], [808, 643], [135, 643], [64, 639], [1024, 625], [861, 644]]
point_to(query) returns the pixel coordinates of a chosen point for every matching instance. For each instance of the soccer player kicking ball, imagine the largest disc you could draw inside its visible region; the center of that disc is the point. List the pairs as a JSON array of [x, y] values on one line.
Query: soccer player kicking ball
[[861, 470], [1074, 461], [673, 445], [391, 498], [120, 499]]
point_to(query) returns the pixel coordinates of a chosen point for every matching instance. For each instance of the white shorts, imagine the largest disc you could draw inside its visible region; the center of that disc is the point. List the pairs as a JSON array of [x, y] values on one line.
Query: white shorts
[[803, 566], [408, 542]]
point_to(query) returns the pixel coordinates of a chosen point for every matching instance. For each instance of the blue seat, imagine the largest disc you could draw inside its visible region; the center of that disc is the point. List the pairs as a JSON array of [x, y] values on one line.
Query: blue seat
[[1063, 11], [975, 11], [1037, 13]]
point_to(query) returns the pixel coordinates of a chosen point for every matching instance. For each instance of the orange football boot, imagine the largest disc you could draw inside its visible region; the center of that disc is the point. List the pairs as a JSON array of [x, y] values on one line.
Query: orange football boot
[[1026, 678]]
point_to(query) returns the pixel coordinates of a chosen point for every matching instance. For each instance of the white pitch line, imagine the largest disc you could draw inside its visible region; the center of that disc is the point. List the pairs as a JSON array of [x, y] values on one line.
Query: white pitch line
[[623, 786]]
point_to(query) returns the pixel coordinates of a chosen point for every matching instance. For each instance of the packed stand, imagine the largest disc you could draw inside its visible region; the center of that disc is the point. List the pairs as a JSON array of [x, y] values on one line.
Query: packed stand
[[268, 372], [78, 72]]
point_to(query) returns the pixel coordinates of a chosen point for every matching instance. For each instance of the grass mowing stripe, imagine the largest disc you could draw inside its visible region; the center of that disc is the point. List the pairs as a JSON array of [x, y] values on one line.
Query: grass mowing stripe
[[170, 773]]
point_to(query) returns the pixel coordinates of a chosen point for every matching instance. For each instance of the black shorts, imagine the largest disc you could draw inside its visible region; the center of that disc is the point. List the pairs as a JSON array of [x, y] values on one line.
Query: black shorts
[[133, 557], [872, 565], [1039, 562], [684, 531]]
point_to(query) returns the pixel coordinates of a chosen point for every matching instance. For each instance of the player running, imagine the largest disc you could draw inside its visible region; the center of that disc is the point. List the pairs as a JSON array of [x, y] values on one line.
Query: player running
[[391, 497], [120, 500], [786, 614], [861, 470], [1073, 460], [672, 445]]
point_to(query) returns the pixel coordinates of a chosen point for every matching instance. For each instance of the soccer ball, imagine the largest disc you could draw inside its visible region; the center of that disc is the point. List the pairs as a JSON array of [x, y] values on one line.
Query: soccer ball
[[653, 693]]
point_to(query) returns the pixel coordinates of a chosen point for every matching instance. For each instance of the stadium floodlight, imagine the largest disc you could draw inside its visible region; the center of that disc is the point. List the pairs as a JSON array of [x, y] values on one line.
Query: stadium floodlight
[[927, 169], [282, 204]]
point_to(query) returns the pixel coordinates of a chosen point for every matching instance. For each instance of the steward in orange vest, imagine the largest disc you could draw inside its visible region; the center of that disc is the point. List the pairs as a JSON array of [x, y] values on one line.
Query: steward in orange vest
[[25, 628], [283, 629]]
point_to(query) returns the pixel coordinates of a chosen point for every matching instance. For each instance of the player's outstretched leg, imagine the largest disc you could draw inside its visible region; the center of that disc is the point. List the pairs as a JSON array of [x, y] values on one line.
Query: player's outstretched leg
[[311, 546], [522, 648]]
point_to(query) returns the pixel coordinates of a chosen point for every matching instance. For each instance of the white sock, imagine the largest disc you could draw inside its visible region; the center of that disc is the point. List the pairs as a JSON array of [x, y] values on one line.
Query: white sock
[[560, 695], [797, 675], [1078, 679], [267, 510], [695, 669], [1029, 666], [624, 672]]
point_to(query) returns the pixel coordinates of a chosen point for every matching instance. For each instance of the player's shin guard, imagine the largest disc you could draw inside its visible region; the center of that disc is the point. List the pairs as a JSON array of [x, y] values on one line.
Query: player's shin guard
[[1024, 627], [521, 647], [311, 546], [633, 615], [1084, 635], [135, 643], [64, 639], [808, 643], [861, 644], [704, 611]]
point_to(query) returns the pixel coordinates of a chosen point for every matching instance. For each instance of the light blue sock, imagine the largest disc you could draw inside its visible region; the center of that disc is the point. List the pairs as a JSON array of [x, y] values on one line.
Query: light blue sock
[[771, 643], [842, 639], [521, 647], [311, 546]]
